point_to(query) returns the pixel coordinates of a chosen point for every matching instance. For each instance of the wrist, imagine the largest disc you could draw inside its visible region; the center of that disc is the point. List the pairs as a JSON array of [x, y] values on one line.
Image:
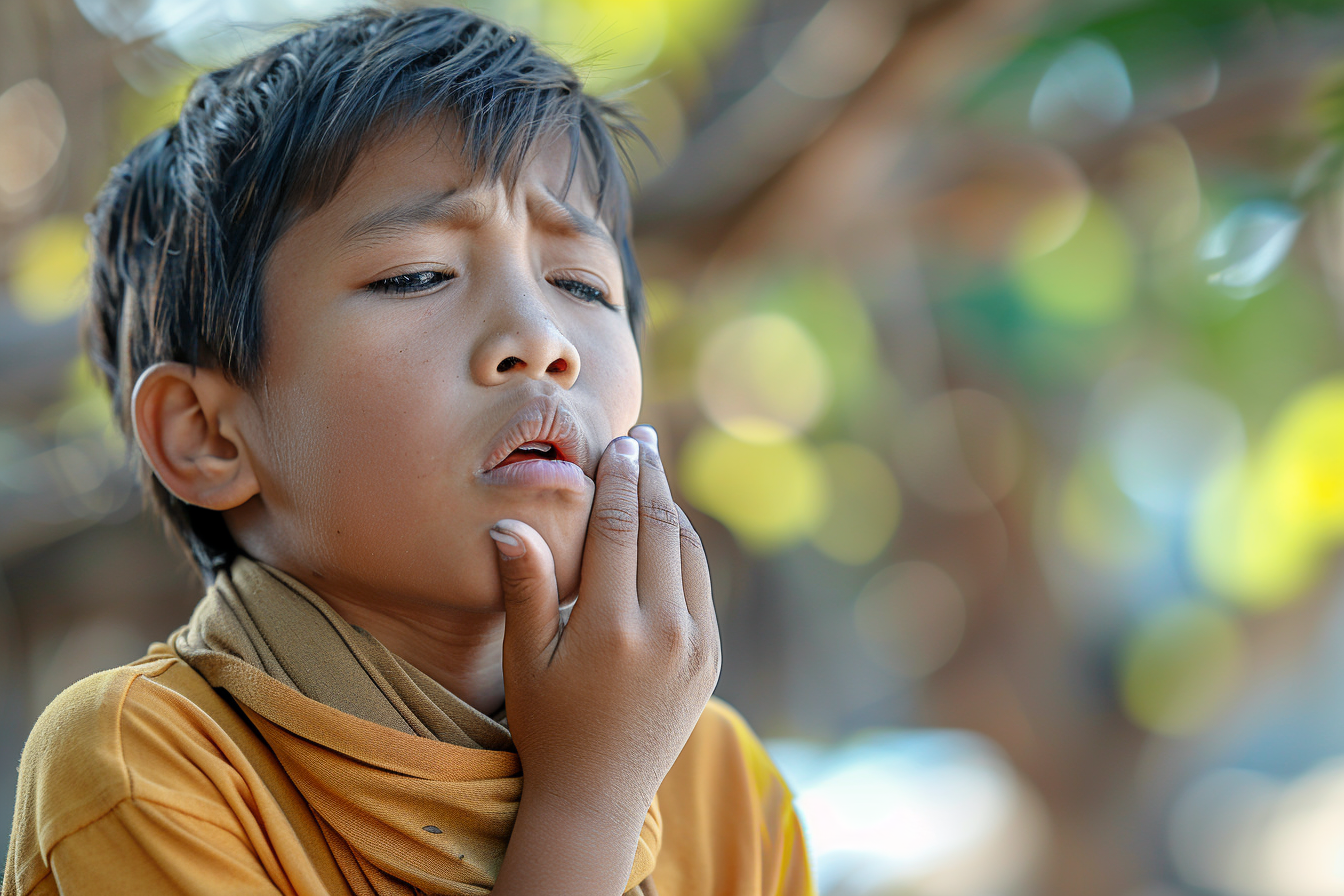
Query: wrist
[[585, 807], [572, 846]]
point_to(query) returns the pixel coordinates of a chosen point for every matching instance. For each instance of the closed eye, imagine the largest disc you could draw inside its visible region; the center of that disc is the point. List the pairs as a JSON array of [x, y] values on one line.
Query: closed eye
[[584, 291], [414, 282]]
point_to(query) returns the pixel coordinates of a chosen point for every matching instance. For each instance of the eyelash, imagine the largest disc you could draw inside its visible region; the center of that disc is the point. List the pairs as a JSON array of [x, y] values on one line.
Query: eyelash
[[413, 282], [583, 291], [424, 281]]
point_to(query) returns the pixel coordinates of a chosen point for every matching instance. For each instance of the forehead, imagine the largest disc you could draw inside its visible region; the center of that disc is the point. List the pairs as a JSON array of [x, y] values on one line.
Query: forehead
[[412, 171]]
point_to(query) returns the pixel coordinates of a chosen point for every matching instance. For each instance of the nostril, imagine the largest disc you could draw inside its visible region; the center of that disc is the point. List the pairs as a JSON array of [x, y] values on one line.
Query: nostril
[[559, 365], [508, 364]]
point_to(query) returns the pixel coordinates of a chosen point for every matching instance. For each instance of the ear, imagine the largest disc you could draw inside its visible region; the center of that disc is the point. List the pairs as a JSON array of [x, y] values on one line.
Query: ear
[[186, 424]]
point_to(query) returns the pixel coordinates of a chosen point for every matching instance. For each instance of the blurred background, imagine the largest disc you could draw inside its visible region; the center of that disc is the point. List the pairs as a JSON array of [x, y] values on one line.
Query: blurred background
[[995, 346]]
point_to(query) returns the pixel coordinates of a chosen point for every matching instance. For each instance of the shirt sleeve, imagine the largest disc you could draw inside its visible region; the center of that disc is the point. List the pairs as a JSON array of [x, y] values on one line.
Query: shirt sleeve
[[123, 790], [141, 847], [784, 860], [729, 824]]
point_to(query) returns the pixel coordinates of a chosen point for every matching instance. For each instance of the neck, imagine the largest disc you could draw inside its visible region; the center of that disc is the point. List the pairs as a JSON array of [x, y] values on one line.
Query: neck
[[463, 651]]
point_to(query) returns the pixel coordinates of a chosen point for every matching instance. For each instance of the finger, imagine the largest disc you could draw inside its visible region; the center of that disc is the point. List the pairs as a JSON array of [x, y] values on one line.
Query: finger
[[695, 580], [659, 571], [695, 583], [609, 561], [531, 596]]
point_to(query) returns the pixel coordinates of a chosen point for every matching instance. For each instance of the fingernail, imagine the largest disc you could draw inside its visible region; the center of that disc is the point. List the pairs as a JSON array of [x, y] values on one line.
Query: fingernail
[[627, 447], [508, 544], [646, 434]]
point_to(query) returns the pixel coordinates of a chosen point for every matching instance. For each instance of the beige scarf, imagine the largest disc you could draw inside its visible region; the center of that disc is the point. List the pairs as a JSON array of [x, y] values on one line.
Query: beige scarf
[[415, 791]]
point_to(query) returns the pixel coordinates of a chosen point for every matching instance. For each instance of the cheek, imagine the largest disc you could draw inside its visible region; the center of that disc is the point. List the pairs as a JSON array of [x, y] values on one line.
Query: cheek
[[618, 377], [353, 432]]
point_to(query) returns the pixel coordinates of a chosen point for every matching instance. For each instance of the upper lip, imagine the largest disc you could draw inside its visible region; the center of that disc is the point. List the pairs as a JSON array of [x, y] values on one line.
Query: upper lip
[[545, 418]]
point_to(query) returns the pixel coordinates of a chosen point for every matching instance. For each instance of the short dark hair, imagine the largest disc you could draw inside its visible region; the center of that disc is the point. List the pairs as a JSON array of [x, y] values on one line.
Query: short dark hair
[[184, 226]]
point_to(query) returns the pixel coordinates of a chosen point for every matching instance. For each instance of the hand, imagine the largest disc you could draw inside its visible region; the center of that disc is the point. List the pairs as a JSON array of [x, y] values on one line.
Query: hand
[[600, 708]]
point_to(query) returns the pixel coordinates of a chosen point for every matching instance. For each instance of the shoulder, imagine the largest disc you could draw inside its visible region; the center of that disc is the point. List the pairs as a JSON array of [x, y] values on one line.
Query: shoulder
[[117, 736], [724, 748], [74, 762], [145, 779], [727, 816]]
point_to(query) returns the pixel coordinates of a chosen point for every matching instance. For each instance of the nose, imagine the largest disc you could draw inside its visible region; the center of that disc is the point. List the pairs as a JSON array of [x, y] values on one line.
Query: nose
[[522, 340]]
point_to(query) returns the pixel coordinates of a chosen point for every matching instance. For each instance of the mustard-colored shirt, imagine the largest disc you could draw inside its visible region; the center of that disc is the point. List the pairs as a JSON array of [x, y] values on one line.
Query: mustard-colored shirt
[[145, 780]]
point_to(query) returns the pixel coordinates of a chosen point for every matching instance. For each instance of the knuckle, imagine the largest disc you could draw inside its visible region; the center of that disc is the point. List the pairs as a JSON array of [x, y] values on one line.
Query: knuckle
[[709, 656], [690, 540], [704, 664], [519, 588], [661, 513], [514, 576], [620, 524], [623, 640], [651, 457], [695, 657], [705, 652], [673, 636]]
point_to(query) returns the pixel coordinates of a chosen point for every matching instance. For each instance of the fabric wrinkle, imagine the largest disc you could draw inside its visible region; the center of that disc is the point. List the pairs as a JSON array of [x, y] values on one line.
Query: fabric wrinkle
[[456, 763]]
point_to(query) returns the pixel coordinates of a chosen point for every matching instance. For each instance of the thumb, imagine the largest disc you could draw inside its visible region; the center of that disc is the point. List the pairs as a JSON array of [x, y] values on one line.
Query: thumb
[[531, 598]]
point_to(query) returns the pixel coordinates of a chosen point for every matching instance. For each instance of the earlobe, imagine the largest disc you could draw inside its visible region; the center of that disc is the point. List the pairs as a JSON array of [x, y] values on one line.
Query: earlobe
[[186, 424]]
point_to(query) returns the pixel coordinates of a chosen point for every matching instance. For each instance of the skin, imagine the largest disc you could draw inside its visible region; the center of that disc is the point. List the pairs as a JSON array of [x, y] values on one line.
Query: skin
[[399, 343]]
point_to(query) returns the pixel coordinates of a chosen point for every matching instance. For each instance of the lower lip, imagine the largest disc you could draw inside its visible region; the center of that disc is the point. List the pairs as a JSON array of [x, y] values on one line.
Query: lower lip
[[545, 475]]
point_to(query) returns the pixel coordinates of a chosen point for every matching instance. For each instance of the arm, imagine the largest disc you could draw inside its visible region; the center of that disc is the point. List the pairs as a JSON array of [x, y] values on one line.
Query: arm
[[143, 847], [601, 707], [125, 786]]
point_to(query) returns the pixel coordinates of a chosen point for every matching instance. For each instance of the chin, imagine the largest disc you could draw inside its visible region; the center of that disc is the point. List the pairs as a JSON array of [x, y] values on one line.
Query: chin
[[565, 540], [564, 528]]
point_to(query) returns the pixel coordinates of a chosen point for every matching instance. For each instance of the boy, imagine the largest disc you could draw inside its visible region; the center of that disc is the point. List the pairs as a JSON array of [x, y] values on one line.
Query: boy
[[369, 309]]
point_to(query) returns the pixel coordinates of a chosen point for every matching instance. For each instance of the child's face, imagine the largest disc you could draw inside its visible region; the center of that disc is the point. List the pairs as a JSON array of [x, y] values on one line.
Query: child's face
[[407, 323]]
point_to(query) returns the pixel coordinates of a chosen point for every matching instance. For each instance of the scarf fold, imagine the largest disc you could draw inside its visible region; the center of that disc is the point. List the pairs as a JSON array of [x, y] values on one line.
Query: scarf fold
[[415, 791]]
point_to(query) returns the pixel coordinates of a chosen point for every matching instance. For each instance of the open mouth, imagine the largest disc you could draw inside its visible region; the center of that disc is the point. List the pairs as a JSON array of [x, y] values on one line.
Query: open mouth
[[543, 447], [549, 471], [531, 451]]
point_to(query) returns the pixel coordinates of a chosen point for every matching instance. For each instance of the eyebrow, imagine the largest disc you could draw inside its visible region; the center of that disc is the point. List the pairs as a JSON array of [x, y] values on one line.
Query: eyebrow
[[450, 207], [552, 213]]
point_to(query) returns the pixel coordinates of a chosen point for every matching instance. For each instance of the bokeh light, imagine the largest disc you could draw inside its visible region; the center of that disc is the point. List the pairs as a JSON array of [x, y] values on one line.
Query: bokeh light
[[32, 135], [865, 505], [1160, 193], [1165, 438], [48, 281], [1180, 669], [1000, 343], [961, 451], [1248, 245], [1244, 548], [1243, 833], [770, 494], [1216, 825], [1265, 525], [924, 813], [1305, 457], [836, 51], [823, 301], [1098, 522], [911, 617], [762, 378], [1085, 280], [1084, 90]]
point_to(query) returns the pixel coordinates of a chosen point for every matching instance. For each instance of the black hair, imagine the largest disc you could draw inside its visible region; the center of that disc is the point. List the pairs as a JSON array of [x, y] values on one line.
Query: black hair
[[185, 224]]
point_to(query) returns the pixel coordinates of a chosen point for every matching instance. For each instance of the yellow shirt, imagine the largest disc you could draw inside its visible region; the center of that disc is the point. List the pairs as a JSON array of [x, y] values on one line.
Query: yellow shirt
[[144, 779]]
